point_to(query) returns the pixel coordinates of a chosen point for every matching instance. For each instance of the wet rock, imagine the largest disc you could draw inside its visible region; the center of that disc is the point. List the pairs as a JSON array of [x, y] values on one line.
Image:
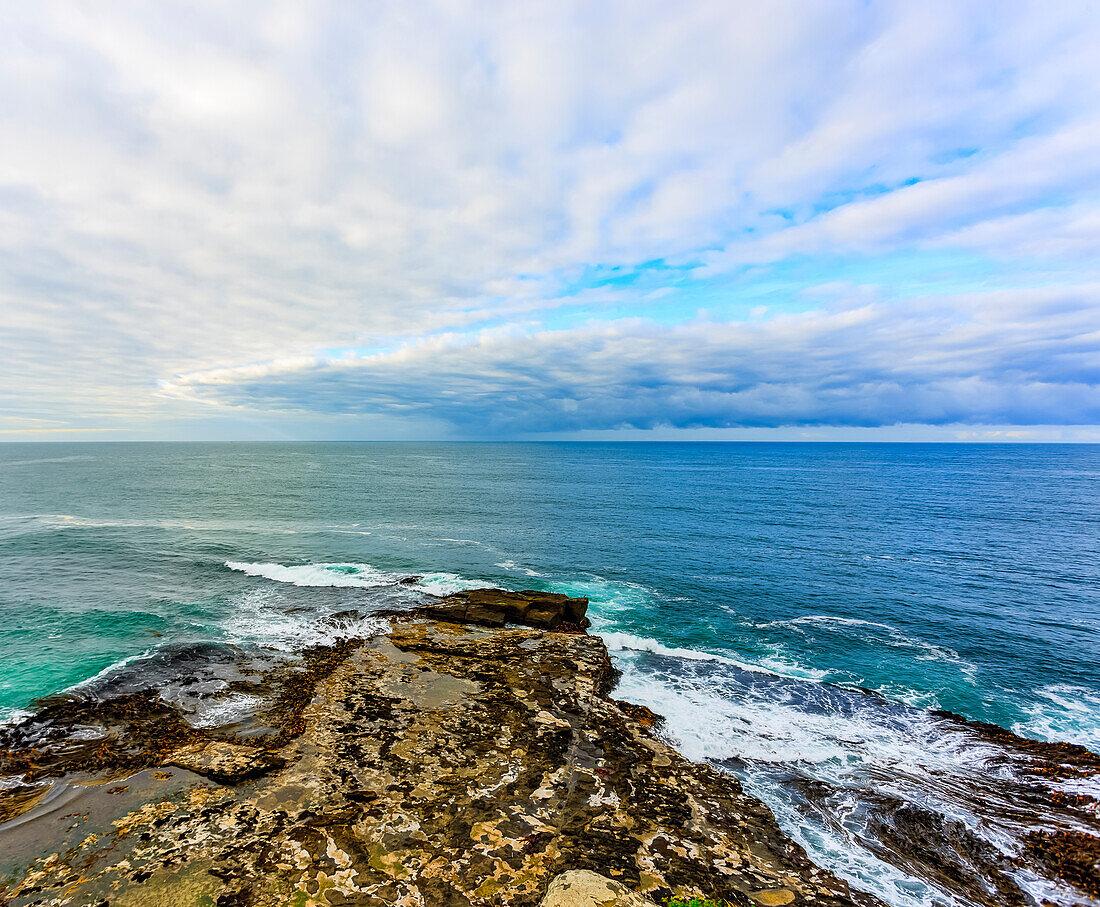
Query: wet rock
[[228, 763], [409, 580], [1072, 856], [646, 717], [1053, 761], [72, 734], [496, 607], [932, 846], [583, 888]]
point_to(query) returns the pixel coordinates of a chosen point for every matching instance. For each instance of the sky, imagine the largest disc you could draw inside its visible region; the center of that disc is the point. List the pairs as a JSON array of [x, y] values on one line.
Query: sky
[[464, 220]]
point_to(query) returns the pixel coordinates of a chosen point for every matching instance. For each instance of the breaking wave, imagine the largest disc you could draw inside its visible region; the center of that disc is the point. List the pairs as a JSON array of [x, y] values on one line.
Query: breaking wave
[[1067, 712], [361, 575], [851, 775], [352, 575]]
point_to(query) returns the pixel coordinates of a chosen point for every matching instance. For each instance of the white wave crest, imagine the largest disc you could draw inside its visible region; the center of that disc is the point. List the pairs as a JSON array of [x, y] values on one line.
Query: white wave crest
[[361, 575], [9, 716], [352, 575], [108, 671], [773, 665], [220, 712], [446, 583], [1069, 713]]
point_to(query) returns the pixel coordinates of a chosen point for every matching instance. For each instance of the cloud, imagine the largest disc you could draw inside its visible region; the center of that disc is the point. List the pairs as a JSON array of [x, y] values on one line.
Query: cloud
[[975, 209], [186, 188], [1020, 358]]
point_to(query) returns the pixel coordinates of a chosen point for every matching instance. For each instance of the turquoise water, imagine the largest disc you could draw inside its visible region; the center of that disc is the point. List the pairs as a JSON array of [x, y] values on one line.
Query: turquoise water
[[748, 590]]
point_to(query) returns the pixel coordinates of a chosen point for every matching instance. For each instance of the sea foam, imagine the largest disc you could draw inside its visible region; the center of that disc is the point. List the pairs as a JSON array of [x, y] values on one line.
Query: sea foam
[[780, 734], [352, 575], [361, 575]]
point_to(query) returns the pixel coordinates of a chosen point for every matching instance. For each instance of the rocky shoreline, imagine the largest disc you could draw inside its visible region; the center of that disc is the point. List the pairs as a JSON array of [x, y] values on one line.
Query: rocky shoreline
[[471, 755]]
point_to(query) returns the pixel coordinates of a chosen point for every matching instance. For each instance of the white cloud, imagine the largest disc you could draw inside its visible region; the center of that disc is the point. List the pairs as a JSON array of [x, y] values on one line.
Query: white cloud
[[186, 187]]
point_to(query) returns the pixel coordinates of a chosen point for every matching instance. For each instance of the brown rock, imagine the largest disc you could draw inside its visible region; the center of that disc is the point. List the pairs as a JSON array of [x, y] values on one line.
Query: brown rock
[[584, 888], [225, 762], [497, 607]]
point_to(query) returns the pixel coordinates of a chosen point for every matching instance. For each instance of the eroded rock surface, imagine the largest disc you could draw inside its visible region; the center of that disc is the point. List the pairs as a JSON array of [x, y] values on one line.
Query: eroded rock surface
[[584, 888], [441, 764], [229, 763]]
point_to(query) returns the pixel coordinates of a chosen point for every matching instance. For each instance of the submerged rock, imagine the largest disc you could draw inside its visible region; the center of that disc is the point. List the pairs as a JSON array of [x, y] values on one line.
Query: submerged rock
[[1069, 855]]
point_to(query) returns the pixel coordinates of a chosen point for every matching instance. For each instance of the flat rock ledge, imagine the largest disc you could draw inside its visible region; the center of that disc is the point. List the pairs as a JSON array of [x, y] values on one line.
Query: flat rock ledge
[[450, 762]]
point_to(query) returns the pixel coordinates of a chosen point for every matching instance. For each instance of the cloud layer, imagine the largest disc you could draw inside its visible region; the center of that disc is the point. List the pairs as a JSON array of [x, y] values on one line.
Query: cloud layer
[[507, 218], [1013, 358]]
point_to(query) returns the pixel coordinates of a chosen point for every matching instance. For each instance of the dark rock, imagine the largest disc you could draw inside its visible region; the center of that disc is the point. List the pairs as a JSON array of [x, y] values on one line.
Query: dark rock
[[1054, 761], [496, 607], [646, 717], [118, 735], [409, 580]]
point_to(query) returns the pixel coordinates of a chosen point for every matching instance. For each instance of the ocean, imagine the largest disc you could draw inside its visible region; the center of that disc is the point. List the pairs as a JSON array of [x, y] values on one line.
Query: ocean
[[802, 614]]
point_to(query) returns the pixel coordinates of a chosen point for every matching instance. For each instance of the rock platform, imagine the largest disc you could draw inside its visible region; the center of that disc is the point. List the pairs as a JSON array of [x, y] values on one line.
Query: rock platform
[[445, 763]]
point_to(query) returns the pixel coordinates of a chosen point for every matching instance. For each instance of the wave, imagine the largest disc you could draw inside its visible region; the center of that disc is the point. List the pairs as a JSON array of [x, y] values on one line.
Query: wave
[[769, 717], [353, 575], [70, 459], [224, 711], [262, 618], [446, 583], [608, 597], [1070, 713], [11, 715], [343, 575], [101, 677], [626, 642], [848, 773], [511, 565], [53, 521], [877, 634]]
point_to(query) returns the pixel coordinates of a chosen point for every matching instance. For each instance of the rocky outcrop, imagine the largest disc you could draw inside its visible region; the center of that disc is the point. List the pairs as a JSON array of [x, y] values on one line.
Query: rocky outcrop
[[496, 607], [442, 764]]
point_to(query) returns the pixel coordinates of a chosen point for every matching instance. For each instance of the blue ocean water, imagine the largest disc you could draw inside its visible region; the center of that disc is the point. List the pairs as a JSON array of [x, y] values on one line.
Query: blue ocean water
[[752, 593]]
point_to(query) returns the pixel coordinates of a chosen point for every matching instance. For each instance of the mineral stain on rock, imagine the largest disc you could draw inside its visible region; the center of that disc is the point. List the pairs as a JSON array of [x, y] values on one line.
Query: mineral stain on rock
[[456, 760]]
